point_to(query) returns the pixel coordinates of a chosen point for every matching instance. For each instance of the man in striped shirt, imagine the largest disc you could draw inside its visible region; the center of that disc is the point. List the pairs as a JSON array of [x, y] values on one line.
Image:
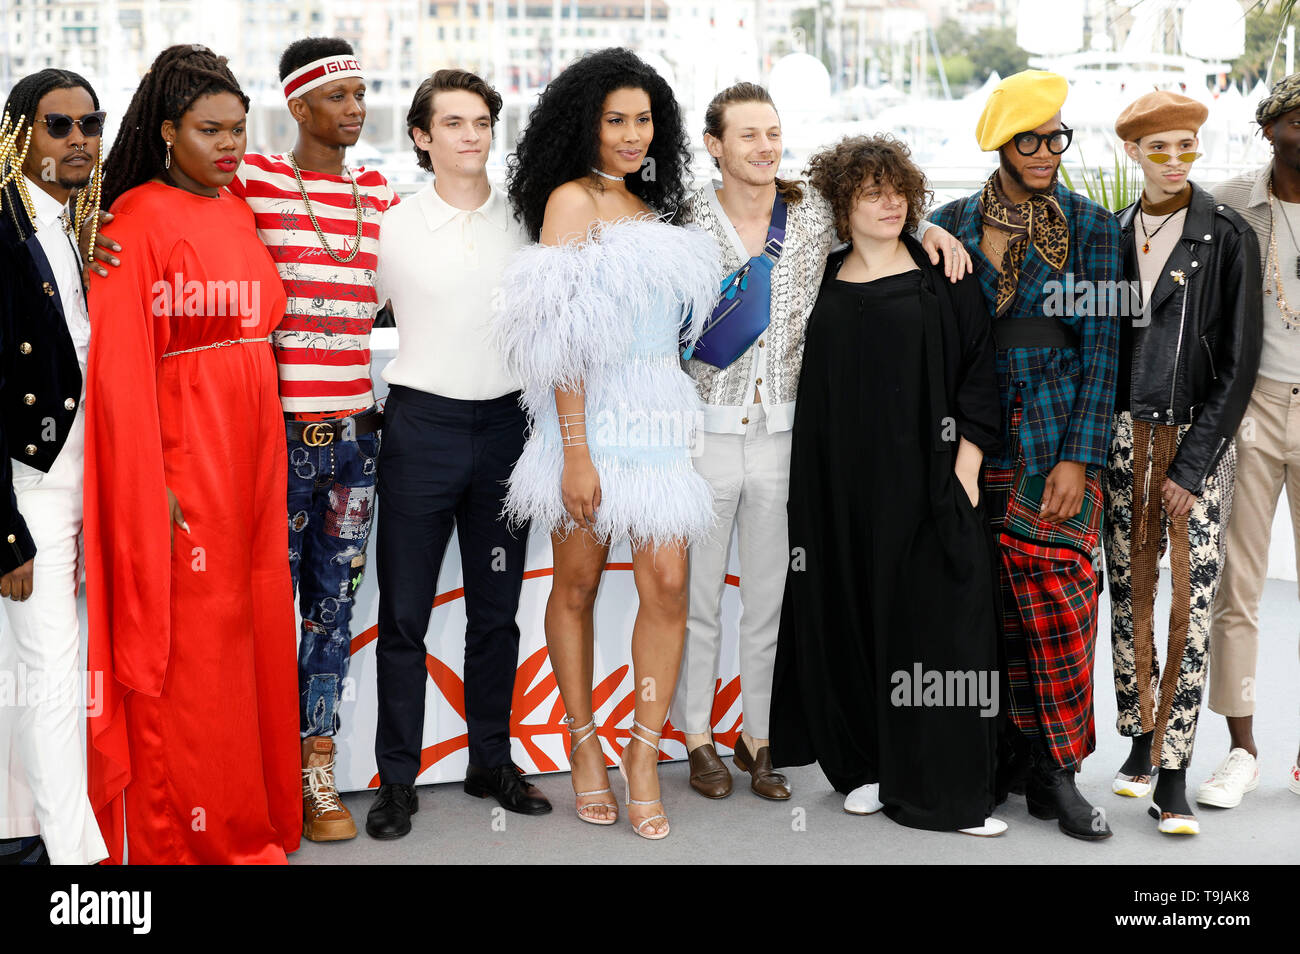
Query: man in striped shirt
[[320, 222]]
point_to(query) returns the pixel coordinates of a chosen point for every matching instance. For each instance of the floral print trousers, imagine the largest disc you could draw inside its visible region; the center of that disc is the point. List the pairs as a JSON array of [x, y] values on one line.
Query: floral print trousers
[[1136, 533]]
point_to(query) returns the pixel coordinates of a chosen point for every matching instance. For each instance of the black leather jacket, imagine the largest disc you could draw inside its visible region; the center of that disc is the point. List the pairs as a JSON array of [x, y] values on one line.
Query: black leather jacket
[[1194, 360]]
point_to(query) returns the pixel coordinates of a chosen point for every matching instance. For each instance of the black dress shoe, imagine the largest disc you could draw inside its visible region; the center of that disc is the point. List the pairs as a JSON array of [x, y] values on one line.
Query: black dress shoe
[[506, 784], [390, 815], [1051, 793]]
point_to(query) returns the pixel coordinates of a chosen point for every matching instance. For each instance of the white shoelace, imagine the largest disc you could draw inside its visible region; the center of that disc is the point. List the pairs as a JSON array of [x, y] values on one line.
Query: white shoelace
[[320, 782], [1236, 768]]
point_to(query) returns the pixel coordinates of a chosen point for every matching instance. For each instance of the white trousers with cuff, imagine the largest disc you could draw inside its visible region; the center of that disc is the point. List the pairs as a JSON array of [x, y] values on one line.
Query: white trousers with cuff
[[43, 789]]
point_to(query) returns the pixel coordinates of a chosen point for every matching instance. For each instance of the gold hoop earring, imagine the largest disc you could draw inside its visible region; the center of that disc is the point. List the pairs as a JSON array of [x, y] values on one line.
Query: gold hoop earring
[[167, 163]]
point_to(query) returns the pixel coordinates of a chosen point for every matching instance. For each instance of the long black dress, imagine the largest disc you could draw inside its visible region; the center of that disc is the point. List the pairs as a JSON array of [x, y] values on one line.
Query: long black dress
[[891, 580]]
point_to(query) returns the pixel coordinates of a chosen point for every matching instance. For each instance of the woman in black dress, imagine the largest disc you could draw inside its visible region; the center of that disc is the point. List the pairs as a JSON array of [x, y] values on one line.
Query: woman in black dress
[[887, 671]]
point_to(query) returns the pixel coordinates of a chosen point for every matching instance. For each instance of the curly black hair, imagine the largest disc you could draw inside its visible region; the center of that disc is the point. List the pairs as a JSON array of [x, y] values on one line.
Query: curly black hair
[[180, 75], [561, 141]]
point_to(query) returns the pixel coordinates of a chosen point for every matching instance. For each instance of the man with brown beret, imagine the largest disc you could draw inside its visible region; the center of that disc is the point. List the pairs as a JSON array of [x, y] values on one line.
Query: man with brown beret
[[1187, 362], [1267, 448]]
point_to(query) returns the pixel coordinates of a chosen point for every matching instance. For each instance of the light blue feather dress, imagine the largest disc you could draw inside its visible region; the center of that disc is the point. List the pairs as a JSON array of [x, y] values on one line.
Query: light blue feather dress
[[606, 315]]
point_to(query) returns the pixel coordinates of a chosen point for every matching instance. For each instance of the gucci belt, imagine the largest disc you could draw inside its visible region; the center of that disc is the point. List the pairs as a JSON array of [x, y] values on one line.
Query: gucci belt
[[324, 433]]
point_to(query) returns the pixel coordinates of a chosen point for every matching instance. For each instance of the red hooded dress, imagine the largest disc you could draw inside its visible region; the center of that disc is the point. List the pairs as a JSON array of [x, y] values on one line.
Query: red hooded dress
[[194, 747]]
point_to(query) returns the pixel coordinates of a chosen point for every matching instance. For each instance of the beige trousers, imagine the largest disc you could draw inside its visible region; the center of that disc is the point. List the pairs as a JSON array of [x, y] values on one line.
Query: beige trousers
[[1268, 456], [750, 477]]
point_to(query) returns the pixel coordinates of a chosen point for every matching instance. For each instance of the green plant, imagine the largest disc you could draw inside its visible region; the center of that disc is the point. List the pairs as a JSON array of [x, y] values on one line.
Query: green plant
[[1120, 190]]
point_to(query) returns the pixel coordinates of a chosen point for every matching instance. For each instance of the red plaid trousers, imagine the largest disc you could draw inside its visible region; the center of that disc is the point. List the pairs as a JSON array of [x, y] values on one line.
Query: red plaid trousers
[[1049, 593]]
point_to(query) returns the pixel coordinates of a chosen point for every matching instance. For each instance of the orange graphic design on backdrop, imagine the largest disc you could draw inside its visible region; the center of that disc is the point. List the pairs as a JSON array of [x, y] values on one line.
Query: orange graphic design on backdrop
[[526, 702]]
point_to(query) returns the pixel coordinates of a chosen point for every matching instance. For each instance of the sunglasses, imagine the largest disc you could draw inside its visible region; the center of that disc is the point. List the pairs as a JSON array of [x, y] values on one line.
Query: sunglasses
[[1028, 143], [1160, 158], [60, 126]]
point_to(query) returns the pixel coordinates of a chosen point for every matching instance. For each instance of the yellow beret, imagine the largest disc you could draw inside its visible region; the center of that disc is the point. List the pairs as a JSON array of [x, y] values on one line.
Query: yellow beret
[[1021, 102], [1159, 111]]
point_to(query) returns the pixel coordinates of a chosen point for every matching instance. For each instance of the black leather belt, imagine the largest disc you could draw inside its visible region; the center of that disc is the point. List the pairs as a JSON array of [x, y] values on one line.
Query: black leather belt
[[1033, 333], [324, 433]]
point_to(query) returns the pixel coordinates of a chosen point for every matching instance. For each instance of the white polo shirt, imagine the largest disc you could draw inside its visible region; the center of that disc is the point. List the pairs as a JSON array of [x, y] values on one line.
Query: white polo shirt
[[441, 267]]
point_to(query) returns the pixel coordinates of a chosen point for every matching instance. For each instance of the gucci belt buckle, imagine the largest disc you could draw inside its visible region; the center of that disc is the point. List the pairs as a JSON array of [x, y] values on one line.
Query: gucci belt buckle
[[318, 434]]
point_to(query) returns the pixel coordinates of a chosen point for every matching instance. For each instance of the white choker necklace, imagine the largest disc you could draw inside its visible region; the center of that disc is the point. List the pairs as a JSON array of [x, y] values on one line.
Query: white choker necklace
[[606, 175]]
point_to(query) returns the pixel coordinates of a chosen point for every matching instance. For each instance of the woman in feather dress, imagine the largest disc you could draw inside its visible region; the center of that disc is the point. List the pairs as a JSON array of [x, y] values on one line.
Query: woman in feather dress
[[589, 321]]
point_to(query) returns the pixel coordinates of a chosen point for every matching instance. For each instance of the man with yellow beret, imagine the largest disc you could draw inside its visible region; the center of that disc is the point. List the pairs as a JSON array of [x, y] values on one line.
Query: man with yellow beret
[[1187, 363], [1040, 253], [1268, 198]]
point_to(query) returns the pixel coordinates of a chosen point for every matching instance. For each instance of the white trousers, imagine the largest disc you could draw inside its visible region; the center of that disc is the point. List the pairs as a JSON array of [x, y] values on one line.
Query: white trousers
[[750, 477], [42, 709]]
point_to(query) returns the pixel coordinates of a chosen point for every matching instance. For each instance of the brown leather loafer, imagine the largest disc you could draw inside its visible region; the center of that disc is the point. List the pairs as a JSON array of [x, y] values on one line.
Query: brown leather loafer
[[764, 780], [709, 776]]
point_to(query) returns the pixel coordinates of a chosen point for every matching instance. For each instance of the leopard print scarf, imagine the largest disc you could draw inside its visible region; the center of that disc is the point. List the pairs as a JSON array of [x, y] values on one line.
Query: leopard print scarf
[[1038, 221]]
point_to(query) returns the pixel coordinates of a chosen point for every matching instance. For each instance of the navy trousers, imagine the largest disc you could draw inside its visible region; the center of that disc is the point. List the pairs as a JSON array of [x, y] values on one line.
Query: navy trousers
[[443, 464]]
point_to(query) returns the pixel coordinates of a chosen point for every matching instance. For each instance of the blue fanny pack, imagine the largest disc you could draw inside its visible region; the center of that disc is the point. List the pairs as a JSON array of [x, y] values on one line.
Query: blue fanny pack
[[744, 309]]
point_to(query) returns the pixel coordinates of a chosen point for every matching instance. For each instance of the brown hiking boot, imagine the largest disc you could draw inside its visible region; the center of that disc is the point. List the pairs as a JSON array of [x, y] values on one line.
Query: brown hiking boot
[[324, 817]]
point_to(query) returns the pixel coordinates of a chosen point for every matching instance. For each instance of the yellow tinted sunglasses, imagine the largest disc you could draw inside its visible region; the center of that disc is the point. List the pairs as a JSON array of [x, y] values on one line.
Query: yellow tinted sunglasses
[[1160, 158]]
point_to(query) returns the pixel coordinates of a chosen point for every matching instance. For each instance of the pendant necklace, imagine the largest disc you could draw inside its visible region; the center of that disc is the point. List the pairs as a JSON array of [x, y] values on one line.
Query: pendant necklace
[[1148, 236], [1287, 219], [1273, 273]]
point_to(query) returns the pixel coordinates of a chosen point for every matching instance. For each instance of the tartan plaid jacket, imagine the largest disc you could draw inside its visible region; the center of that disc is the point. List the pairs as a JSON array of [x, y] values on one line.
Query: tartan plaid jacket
[[1068, 394]]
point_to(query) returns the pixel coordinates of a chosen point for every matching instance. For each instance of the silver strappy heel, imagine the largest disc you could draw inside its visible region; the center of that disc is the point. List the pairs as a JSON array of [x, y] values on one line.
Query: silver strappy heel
[[588, 731], [630, 801]]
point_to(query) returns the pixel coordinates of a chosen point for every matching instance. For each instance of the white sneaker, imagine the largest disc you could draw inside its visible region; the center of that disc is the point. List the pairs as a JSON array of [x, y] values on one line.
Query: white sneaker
[[864, 800], [991, 828], [1236, 775], [1294, 782], [1134, 786], [1171, 824]]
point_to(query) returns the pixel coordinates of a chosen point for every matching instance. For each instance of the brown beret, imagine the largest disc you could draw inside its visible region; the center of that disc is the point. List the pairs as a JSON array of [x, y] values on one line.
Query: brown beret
[[1159, 111]]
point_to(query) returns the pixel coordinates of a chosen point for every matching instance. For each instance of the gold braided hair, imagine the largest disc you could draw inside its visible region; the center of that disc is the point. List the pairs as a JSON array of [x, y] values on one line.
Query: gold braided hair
[[12, 157], [87, 206]]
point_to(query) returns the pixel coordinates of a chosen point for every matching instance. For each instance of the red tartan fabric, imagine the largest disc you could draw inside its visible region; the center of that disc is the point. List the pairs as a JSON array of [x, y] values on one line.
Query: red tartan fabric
[[1047, 575]]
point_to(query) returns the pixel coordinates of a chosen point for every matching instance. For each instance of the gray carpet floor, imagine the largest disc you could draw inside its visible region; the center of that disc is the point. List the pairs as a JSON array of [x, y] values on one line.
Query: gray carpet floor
[[452, 827]]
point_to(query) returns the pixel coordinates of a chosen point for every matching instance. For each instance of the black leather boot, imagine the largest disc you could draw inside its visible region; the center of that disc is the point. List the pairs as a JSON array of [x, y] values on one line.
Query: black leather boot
[[1051, 793], [1013, 764]]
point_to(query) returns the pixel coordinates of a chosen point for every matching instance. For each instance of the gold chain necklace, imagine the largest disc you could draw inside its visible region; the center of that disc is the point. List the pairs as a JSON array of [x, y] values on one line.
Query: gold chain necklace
[[1290, 317], [356, 199]]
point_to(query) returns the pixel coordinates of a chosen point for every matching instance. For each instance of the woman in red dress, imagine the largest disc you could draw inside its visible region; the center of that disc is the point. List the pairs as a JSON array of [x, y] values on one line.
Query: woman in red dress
[[190, 608]]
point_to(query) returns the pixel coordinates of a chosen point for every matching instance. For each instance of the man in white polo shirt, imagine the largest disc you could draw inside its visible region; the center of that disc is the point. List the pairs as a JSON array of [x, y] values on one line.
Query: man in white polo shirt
[[453, 431]]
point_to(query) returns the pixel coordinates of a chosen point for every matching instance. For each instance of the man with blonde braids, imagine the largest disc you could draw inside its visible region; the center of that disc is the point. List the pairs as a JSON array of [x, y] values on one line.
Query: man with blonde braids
[[1041, 254], [45, 331]]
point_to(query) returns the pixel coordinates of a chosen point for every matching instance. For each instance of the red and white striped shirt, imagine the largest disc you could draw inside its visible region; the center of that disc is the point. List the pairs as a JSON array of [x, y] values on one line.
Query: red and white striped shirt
[[322, 347]]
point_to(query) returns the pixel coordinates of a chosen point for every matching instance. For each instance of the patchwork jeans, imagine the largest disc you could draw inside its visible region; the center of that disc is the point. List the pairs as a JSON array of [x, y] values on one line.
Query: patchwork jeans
[[331, 504]]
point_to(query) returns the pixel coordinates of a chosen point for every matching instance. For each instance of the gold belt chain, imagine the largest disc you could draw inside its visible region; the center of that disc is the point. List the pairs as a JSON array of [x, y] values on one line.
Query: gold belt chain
[[220, 344]]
